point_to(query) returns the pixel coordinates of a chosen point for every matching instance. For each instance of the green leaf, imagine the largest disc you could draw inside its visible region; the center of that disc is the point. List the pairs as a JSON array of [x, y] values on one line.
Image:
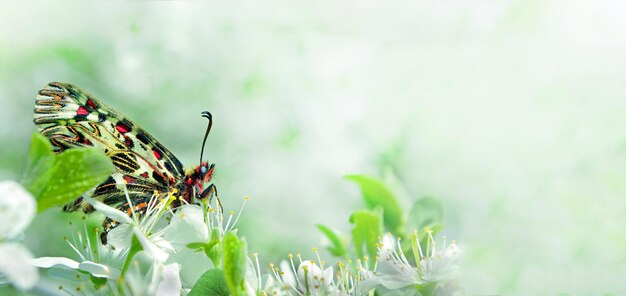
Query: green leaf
[[212, 282], [234, 252], [376, 193], [40, 160], [56, 179], [72, 173], [426, 211], [367, 231], [337, 247], [197, 246]]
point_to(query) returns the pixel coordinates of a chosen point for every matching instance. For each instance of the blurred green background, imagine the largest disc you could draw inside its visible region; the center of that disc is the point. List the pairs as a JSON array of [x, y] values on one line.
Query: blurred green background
[[511, 112]]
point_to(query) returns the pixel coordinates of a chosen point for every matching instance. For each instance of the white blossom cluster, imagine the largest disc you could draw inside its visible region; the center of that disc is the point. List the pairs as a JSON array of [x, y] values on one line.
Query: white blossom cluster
[[159, 243]]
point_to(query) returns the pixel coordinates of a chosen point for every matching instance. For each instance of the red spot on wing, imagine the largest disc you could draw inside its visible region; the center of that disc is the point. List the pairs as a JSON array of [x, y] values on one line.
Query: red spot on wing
[[82, 111], [129, 179], [144, 175], [157, 154], [91, 104], [121, 127], [189, 181]]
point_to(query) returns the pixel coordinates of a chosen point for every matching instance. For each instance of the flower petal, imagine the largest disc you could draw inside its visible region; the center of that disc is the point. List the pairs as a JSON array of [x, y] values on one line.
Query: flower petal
[[109, 211], [192, 264], [288, 276], [120, 236], [17, 209], [251, 276], [328, 274], [442, 266], [15, 264], [99, 270], [47, 262], [314, 277], [149, 247], [170, 283], [187, 226], [393, 273], [162, 243]]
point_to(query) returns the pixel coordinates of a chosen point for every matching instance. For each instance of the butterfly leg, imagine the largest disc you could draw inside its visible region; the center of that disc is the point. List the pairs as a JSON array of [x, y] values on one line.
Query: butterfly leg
[[210, 192], [107, 225]]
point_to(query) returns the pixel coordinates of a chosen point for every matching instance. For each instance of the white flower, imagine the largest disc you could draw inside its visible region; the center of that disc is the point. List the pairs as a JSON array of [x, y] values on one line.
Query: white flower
[[317, 279], [394, 270], [197, 225], [307, 279], [145, 276], [356, 282], [187, 226], [442, 265], [15, 266], [17, 209], [159, 279], [259, 284], [95, 260], [143, 228]]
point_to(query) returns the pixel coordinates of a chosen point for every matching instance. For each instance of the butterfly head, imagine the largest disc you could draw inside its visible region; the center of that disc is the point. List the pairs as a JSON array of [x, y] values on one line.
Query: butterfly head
[[202, 174], [196, 179], [205, 172]]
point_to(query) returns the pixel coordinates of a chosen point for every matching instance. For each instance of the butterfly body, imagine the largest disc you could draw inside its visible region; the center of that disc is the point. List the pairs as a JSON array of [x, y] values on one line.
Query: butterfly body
[[70, 117]]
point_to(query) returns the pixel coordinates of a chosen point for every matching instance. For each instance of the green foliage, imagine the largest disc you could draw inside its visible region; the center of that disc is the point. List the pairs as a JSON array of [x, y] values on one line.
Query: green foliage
[[212, 282], [39, 162], [212, 248], [337, 247], [56, 179], [376, 193], [367, 231], [234, 251]]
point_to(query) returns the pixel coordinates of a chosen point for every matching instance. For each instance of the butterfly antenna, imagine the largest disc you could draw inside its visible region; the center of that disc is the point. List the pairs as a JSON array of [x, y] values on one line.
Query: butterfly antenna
[[207, 115]]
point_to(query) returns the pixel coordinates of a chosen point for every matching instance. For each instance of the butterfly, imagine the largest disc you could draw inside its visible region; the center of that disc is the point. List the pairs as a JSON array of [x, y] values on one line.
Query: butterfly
[[70, 117]]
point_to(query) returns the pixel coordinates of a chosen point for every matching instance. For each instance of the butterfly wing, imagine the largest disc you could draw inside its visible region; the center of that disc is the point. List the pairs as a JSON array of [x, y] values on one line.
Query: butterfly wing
[[70, 118]]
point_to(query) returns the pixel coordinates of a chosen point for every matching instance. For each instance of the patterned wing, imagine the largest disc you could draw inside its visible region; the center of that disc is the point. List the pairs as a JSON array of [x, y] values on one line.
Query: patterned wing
[[70, 117]]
